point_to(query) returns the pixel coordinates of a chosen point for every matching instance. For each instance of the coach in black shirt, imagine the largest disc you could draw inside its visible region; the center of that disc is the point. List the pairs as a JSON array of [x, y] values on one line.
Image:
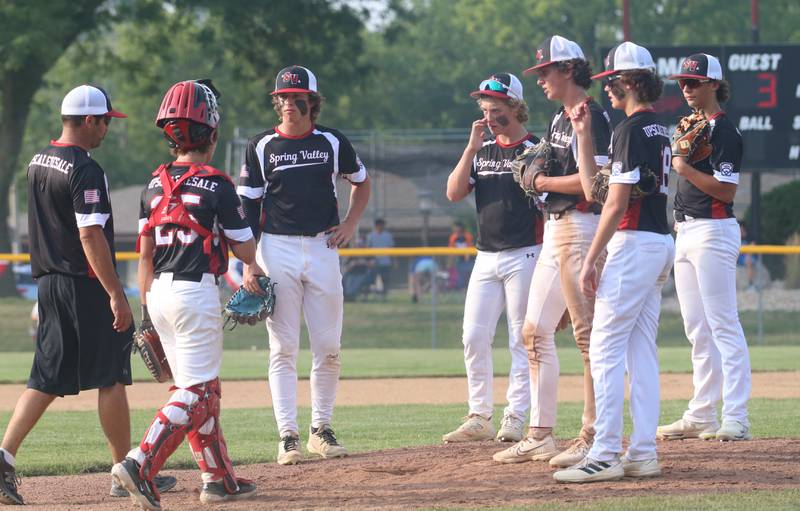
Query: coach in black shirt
[[84, 336]]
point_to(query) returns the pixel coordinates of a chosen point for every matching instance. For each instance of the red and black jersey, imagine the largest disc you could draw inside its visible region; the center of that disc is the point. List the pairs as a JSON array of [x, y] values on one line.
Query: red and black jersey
[[296, 177], [642, 141], [506, 217], [724, 164], [565, 148], [212, 202], [67, 190]]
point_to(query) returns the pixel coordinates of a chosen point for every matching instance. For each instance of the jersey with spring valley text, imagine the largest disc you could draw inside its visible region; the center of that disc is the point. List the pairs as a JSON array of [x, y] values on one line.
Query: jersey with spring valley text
[[296, 178], [506, 217], [642, 141], [67, 190], [724, 164], [564, 144], [212, 202]]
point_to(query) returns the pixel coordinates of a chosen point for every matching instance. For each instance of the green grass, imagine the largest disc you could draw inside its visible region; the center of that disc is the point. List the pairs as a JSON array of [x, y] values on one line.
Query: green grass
[[251, 435], [400, 324], [406, 363]]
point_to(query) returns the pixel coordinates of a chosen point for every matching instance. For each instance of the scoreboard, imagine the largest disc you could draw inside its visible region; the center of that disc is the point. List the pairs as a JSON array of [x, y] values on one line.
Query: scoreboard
[[764, 102]]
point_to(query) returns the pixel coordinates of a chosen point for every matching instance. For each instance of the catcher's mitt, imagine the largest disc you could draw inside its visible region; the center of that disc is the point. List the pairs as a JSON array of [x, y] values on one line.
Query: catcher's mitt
[[246, 308], [532, 162], [148, 343], [648, 184], [691, 139]]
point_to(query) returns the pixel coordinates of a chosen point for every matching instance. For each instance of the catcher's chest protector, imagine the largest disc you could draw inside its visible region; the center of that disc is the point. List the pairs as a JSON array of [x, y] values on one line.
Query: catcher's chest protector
[[172, 210]]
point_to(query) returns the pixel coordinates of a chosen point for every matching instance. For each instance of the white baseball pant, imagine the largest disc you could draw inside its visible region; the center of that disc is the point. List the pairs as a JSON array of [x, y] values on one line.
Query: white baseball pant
[[308, 280], [554, 288], [705, 280], [498, 279], [187, 317], [624, 333]]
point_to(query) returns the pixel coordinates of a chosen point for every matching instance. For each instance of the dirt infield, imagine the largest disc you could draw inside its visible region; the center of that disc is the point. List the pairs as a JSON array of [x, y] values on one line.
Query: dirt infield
[[392, 391], [452, 476]]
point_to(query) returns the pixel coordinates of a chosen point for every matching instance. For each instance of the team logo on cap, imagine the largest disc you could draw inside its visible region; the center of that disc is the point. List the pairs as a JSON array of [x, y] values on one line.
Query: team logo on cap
[[539, 55], [690, 65], [292, 78]]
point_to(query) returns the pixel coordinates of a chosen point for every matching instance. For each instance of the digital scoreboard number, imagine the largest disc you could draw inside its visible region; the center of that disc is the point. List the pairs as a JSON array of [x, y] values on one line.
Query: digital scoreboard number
[[764, 103]]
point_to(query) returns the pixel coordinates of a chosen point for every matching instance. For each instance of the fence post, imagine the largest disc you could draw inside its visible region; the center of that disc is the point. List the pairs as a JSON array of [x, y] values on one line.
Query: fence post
[[760, 313], [434, 286]]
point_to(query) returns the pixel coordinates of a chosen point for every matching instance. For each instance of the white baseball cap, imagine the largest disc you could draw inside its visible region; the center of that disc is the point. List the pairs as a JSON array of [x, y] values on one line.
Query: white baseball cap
[[627, 57], [500, 85], [88, 100], [555, 49]]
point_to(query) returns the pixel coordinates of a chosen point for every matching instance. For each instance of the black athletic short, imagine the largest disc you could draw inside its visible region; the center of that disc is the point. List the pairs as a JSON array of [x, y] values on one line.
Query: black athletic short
[[77, 347]]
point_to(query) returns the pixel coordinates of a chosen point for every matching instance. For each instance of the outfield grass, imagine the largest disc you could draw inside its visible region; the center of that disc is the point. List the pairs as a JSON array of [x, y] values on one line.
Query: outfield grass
[[408, 363], [72, 442], [399, 324]]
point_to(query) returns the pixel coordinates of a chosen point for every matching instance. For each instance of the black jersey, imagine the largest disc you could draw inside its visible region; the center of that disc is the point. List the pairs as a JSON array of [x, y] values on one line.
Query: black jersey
[[296, 178], [724, 164], [506, 217], [565, 148], [641, 140], [212, 202], [67, 190]]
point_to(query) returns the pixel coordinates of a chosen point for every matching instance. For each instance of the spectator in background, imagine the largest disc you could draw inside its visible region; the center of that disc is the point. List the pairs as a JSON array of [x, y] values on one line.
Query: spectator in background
[[379, 237], [460, 266], [421, 275]]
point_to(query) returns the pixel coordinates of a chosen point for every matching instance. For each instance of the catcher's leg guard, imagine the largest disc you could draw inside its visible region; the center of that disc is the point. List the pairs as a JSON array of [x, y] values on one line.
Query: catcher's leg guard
[[166, 432], [205, 437]]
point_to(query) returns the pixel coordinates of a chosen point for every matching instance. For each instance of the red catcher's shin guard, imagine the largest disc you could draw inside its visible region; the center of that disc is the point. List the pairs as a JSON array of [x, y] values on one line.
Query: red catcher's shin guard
[[208, 445], [168, 438]]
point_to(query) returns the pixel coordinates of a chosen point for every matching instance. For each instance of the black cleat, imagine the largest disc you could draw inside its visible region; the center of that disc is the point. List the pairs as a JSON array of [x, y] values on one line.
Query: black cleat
[[142, 492], [163, 484], [9, 480], [216, 491]]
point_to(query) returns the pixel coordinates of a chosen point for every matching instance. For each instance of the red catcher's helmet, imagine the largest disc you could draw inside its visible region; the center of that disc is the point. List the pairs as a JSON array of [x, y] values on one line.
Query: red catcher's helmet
[[189, 114]]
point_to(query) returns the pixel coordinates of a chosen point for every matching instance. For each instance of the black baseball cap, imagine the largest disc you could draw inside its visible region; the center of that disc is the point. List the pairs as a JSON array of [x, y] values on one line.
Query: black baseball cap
[[295, 79], [700, 66], [555, 49]]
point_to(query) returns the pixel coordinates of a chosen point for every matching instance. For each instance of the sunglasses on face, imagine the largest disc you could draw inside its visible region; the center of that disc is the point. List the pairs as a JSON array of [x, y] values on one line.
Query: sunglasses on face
[[692, 83], [608, 82]]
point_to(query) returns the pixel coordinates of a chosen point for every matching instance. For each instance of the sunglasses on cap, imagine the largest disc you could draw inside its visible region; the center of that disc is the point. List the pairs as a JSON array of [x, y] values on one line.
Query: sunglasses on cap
[[494, 85], [692, 83]]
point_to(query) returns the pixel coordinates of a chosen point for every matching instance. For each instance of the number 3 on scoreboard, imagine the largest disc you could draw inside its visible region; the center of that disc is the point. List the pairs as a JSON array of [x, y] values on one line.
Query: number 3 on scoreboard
[[666, 165]]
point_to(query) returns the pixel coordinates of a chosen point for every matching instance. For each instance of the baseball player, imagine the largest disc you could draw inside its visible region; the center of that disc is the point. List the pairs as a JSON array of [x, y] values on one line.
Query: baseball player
[[564, 75], [289, 175], [85, 326], [640, 252], [706, 251], [509, 241], [189, 217]]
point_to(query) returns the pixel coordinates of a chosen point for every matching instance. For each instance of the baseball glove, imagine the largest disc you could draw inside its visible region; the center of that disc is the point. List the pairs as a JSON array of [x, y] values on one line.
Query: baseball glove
[[648, 184], [691, 139], [148, 343], [246, 308], [533, 161]]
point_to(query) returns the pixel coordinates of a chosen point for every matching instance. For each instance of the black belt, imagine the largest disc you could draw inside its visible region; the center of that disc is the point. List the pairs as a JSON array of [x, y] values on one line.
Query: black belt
[[190, 276]]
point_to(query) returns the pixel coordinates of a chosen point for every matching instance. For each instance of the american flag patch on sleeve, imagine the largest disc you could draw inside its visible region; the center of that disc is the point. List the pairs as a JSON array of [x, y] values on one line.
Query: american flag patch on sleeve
[[91, 196], [243, 172], [240, 210]]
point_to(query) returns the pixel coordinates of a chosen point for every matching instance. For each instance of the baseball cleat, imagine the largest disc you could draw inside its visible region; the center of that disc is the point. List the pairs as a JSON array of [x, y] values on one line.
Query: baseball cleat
[[577, 450], [476, 427], [163, 484], [644, 468], [591, 471], [142, 493], [512, 428], [322, 442], [289, 450], [528, 449], [733, 430], [216, 492], [9, 481], [682, 429]]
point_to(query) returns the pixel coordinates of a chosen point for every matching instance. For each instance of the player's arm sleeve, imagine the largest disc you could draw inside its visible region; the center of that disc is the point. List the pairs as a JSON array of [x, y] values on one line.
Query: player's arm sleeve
[[90, 199], [625, 159], [601, 136], [350, 165], [232, 216], [251, 187], [726, 157]]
